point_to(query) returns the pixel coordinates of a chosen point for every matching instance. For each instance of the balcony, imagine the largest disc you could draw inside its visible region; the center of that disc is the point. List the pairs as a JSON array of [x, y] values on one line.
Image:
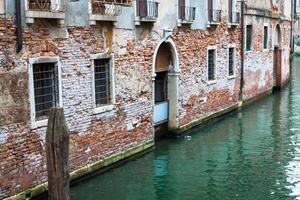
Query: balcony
[[214, 17], [47, 9], [146, 11], [297, 10], [234, 19], [106, 10], [186, 15]]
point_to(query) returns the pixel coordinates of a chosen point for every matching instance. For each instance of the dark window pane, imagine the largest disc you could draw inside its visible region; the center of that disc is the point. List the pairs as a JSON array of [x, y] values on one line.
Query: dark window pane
[[102, 81], [45, 88], [211, 64], [249, 37], [265, 37], [161, 87], [231, 61]]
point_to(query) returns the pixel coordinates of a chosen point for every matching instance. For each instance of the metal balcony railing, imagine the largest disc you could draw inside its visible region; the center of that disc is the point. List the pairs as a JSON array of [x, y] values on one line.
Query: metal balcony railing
[[214, 16], [147, 9], [47, 5], [187, 13], [109, 8], [297, 9], [234, 18]]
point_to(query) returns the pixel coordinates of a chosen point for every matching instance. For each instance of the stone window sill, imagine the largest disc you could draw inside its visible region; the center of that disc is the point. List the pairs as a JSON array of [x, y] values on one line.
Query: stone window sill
[[39, 124], [104, 109], [212, 82], [231, 77]]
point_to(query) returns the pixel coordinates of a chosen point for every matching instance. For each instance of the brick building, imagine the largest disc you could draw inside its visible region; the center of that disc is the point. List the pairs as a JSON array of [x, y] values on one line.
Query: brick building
[[122, 69]]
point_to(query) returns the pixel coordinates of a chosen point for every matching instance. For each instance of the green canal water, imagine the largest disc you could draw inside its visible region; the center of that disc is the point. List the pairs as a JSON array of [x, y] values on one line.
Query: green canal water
[[252, 154]]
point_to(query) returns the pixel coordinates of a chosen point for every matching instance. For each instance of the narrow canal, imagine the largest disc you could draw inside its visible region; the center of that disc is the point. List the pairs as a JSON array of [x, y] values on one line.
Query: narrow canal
[[252, 154]]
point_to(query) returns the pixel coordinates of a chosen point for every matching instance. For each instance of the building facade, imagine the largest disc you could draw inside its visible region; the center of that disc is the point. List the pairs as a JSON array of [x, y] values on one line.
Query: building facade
[[123, 68]]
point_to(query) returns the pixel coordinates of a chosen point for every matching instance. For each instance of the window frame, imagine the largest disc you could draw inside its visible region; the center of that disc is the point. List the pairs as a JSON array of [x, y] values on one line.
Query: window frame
[[111, 105], [212, 81], [40, 60], [231, 46], [267, 39], [246, 38], [2, 7]]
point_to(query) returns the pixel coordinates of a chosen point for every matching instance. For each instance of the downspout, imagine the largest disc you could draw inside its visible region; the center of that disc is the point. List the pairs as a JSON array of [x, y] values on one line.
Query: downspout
[[19, 29], [293, 11], [242, 48], [6, 34]]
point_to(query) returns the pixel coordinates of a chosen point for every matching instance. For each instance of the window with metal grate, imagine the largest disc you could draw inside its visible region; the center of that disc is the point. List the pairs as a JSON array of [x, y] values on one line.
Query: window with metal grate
[[102, 81], [231, 61], [249, 38], [211, 64], [46, 94], [265, 37]]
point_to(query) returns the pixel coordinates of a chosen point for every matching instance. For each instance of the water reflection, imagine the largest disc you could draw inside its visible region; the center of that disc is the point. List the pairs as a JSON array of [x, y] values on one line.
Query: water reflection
[[253, 154]]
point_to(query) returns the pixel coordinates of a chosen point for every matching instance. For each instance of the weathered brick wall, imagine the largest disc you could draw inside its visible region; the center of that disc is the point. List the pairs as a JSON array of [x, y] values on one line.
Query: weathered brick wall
[[258, 68], [198, 98], [286, 52], [94, 137], [259, 62]]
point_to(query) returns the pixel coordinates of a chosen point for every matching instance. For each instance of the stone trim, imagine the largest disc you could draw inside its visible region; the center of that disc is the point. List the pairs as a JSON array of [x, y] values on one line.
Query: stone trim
[[42, 123], [111, 106]]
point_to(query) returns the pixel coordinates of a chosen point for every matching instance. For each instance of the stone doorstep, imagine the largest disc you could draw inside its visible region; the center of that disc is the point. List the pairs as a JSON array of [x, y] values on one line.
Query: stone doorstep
[[86, 170]]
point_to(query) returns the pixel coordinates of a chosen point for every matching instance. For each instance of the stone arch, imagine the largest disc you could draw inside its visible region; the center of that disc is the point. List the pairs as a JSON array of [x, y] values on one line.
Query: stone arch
[[166, 60], [277, 37]]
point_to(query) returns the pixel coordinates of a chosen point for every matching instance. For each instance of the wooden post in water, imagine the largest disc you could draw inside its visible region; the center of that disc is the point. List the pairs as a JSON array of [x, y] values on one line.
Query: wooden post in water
[[57, 152]]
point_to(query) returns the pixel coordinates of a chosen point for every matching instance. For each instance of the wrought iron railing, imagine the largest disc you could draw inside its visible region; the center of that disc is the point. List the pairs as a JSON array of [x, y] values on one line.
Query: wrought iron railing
[[297, 9], [214, 16], [107, 8], [187, 13], [147, 9], [47, 5], [234, 18]]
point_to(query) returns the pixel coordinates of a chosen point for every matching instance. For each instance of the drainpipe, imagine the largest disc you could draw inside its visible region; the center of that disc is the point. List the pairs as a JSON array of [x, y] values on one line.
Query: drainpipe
[[242, 48], [19, 29], [6, 34], [293, 11]]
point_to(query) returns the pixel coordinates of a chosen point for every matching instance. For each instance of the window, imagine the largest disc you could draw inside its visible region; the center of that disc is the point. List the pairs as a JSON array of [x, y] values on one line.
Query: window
[[2, 9], [211, 64], [102, 82], [249, 38], [231, 61], [265, 37], [46, 90]]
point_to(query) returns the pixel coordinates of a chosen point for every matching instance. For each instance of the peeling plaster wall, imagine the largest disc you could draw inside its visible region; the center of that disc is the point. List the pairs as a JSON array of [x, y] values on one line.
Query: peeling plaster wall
[[259, 63]]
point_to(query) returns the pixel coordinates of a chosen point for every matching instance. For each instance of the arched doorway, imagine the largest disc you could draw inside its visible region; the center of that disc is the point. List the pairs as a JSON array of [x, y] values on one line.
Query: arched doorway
[[165, 86], [277, 57]]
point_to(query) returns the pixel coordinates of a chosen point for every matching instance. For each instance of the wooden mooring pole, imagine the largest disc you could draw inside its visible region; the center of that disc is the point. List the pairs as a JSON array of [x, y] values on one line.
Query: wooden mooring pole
[[57, 152]]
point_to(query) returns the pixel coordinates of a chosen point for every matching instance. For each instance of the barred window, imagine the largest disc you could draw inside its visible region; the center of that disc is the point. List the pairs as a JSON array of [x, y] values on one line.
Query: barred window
[[249, 38], [211, 64], [45, 77], [265, 37], [231, 61], [102, 82]]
